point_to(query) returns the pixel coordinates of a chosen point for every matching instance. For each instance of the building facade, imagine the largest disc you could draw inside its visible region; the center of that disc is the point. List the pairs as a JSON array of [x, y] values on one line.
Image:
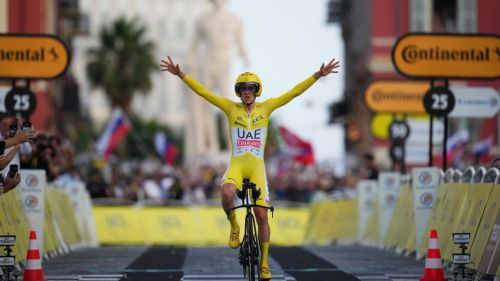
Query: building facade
[[23, 16], [170, 25], [371, 28]]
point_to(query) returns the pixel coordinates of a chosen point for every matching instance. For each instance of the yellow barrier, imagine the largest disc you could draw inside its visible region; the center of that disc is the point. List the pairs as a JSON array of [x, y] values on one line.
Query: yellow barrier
[[453, 204], [319, 226], [22, 223], [332, 221], [188, 226], [467, 219], [329, 228], [489, 217], [348, 222], [288, 226], [406, 238], [398, 225], [15, 222], [371, 234], [311, 235], [63, 216], [50, 240], [119, 225]]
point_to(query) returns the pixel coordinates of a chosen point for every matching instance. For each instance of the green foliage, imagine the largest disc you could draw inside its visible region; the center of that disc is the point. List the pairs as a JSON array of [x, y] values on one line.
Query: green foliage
[[123, 63]]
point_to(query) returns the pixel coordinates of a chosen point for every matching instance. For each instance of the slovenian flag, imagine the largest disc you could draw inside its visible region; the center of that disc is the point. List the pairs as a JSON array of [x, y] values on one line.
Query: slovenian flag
[[117, 128], [166, 149]]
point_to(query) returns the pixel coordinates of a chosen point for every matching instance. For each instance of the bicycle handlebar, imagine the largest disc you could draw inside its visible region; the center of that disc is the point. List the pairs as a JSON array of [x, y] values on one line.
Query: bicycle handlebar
[[252, 206]]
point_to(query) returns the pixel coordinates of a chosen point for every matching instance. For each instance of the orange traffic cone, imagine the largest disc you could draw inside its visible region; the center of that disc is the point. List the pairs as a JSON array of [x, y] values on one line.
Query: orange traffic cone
[[33, 270], [433, 266]]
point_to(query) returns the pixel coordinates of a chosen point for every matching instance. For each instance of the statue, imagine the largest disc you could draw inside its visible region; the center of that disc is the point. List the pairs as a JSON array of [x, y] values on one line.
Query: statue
[[209, 60]]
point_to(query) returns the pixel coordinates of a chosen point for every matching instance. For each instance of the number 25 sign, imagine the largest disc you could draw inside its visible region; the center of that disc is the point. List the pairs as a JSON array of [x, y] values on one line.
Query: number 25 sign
[[439, 101], [20, 100]]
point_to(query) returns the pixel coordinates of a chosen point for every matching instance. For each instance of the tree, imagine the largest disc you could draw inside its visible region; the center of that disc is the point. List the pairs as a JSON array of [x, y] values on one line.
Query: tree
[[122, 65]]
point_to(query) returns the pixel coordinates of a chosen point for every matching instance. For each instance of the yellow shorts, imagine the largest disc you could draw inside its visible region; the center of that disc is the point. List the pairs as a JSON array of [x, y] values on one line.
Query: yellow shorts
[[251, 168]]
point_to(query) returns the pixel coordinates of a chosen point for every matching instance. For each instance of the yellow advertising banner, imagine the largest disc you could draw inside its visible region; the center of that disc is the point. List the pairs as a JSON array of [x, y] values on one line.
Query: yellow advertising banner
[[396, 96], [288, 226], [189, 226], [172, 226], [30, 56], [426, 55], [119, 225]]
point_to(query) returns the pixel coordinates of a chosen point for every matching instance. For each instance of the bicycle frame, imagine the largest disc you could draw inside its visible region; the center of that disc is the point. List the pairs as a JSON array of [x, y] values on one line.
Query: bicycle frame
[[250, 246]]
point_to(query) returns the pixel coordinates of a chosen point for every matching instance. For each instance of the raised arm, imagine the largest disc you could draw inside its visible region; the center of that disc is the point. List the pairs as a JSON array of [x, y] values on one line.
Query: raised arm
[[170, 66], [324, 70]]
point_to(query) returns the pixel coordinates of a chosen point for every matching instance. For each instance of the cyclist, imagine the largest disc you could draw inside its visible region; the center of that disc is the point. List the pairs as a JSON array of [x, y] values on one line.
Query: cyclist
[[248, 122]]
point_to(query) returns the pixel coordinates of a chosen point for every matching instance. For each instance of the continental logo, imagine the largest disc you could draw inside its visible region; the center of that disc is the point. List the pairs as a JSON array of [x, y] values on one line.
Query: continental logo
[[380, 96], [425, 55], [386, 96], [32, 56], [412, 54]]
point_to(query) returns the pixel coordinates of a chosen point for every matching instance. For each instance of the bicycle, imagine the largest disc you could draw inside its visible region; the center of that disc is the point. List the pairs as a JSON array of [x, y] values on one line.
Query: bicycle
[[250, 246]]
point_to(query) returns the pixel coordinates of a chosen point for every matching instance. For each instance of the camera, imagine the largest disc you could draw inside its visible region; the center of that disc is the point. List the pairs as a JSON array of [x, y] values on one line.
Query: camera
[[13, 170]]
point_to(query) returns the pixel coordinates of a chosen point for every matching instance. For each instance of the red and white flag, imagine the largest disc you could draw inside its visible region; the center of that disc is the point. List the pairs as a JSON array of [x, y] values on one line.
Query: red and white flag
[[296, 147], [118, 127]]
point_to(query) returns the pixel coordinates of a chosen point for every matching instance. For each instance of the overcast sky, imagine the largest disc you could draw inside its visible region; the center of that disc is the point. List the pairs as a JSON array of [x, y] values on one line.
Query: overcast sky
[[287, 40]]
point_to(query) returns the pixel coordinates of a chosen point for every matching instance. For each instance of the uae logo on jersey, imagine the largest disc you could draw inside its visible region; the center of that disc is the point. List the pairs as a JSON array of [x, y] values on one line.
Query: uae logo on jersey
[[249, 138]]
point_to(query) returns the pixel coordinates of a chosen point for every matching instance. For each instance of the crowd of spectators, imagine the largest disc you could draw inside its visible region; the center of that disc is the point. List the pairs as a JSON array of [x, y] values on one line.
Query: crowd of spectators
[[152, 181], [24, 148]]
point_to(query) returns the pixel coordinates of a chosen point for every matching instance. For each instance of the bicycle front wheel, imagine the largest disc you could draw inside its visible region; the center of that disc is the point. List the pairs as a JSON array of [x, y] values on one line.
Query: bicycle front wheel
[[252, 249]]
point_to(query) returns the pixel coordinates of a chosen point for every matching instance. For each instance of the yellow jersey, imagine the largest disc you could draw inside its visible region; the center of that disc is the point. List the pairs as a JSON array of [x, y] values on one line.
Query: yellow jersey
[[248, 130]]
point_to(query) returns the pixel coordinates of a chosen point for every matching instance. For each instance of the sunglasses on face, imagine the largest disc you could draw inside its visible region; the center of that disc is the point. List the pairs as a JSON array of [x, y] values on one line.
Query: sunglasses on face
[[252, 87]]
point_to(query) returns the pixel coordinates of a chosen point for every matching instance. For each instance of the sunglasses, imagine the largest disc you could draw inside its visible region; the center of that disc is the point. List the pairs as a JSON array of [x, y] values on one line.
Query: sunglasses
[[253, 87]]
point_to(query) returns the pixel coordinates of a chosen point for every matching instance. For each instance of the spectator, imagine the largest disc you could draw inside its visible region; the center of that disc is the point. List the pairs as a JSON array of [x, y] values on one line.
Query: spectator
[[12, 144], [10, 133], [370, 169]]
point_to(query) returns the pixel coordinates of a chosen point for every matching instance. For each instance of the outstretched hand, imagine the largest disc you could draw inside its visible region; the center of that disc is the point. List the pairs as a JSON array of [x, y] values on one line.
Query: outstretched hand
[[171, 67], [330, 67]]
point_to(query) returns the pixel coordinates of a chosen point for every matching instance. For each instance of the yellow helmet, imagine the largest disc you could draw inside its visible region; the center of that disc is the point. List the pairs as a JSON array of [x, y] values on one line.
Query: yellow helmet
[[248, 77]]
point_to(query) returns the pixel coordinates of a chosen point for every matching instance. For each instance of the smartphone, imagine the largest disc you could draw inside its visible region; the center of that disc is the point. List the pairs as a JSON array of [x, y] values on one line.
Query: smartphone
[[13, 170], [26, 126], [13, 128], [2, 147]]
